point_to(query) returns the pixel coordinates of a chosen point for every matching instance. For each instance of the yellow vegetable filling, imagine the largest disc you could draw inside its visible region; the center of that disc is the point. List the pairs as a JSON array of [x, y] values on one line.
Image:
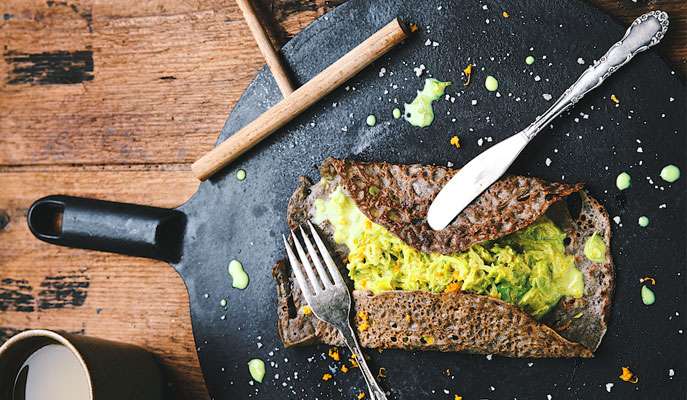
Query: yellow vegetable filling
[[528, 268]]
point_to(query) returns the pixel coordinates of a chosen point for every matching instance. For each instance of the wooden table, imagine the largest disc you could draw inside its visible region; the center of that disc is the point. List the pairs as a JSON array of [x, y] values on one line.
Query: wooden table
[[114, 100]]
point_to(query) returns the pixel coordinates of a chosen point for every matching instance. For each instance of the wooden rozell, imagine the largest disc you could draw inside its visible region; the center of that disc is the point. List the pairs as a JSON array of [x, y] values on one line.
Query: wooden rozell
[[266, 48], [305, 96]]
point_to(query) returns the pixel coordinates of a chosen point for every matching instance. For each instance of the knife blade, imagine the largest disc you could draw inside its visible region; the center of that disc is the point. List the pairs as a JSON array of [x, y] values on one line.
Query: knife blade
[[473, 179], [477, 175]]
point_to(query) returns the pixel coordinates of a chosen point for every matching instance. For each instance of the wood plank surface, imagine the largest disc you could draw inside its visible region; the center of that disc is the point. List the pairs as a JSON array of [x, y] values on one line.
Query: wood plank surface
[[114, 100]]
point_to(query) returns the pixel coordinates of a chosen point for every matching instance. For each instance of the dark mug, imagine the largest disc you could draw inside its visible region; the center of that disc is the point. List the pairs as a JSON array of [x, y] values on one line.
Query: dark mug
[[88, 368]]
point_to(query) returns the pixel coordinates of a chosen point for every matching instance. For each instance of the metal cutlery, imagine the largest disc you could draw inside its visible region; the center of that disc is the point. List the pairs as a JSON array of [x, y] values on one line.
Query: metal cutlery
[[478, 174], [327, 295]]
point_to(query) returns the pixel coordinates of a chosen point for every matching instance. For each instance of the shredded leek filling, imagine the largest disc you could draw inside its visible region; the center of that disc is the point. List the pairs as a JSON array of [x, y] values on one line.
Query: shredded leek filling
[[528, 268]]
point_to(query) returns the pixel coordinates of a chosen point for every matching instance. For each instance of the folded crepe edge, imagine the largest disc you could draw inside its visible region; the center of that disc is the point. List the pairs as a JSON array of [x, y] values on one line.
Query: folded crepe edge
[[467, 322]]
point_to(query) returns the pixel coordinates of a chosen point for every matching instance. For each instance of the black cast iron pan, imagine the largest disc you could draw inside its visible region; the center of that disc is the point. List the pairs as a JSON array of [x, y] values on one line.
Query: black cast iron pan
[[227, 219]]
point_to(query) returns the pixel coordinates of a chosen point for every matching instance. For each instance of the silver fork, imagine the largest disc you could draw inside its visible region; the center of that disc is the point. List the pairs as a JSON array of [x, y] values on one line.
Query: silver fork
[[328, 296]]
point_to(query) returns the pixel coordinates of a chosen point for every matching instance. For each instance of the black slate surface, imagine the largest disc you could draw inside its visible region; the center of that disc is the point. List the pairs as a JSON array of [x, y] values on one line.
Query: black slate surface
[[593, 143]]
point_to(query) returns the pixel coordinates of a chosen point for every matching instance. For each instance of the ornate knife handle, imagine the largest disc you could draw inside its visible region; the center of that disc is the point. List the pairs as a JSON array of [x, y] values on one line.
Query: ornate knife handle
[[645, 31]]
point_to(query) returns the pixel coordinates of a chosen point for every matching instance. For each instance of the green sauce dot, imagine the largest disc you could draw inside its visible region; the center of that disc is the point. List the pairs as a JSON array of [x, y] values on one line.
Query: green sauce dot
[[491, 83], [238, 275], [419, 112], [529, 60], [371, 120], [648, 296], [396, 113], [256, 367], [241, 174], [595, 248], [623, 181], [670, 173], [643, 221]]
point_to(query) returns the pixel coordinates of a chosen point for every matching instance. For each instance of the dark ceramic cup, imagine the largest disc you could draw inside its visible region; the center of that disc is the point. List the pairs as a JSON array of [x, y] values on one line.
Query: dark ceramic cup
[[115, 371]]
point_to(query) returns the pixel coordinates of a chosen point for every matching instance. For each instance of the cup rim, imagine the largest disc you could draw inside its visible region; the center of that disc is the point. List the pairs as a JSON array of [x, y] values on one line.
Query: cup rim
[[56, 337]]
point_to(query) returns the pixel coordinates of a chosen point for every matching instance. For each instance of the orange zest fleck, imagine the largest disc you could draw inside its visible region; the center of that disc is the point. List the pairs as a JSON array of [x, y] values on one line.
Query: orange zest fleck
[[413, 27], [505, 14], [363, 325], [456, 397], [615, 99], [361, 395], [407, 318], [353, 361], [628, 376], [334, 354], [452, 287], [468, 74], [428, 339], [326, 377], [306, 310], [648, 279], [381, 373], [344, 368], [455, 141]]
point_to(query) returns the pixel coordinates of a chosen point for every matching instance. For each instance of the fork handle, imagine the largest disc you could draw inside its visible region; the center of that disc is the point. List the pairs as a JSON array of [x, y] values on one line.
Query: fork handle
[[376, 393]]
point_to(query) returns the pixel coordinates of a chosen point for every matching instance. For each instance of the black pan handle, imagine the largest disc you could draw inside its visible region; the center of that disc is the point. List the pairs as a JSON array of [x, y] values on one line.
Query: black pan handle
[[123, 228]]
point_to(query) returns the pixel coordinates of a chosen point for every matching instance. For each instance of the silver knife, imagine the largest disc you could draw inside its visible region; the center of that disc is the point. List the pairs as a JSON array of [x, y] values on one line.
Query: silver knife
[[483, 170]]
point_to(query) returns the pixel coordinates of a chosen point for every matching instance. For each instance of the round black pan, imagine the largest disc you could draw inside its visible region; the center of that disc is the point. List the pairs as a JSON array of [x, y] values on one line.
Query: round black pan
[[227, 219]]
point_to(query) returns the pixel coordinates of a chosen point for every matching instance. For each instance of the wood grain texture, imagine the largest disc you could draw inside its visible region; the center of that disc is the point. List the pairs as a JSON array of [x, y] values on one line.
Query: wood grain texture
[[164, 76]]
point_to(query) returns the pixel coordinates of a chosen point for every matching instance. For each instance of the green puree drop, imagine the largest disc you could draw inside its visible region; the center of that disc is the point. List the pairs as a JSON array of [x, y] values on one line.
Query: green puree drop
[[239, 277], [623, 181], [643, 221], [648, 296], [670, 173], [491, 83], [371, 120], [529, 60], [256, 367], [419, 113], [396, 113], [528, 268], [595, 248]]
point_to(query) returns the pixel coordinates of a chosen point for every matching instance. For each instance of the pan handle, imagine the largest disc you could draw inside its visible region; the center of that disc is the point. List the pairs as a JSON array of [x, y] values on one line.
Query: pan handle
[[123, 228]]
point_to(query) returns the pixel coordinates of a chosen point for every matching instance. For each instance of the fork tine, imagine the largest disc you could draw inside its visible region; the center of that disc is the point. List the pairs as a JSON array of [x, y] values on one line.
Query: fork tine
[[314, 282], [295, 266], [324, 276], [333, 270]]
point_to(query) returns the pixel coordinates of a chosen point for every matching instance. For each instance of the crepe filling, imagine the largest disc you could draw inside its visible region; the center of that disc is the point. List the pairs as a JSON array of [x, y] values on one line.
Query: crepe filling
[[528, 268]]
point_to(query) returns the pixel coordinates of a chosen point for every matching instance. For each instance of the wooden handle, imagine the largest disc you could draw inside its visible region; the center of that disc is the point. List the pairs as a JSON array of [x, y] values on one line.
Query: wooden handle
[[305, 96], [266, 48]]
